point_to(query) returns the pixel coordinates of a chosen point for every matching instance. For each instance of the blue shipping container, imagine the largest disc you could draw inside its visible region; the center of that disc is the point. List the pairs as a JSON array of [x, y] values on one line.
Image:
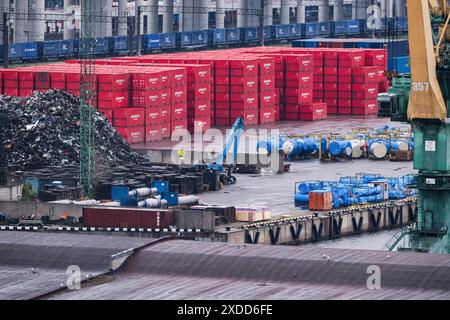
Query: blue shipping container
[[295, 31], [168, 40], [353, 27], [68, 48], [199, 38], [120, 44], [184, 39], [324, 29], [249, 34], [268, 33], [15, 51], [233, 35], [281, 31], [339, 28], [102, 46], [32, 50], [152, 41], [51, 49], [400, 64], [311, 29], [216, 36]]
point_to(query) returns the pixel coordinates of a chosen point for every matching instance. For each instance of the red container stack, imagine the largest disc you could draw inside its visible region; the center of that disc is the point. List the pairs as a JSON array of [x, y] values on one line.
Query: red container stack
[[244, 90], [10, 82], [268, 110], [26, 82], [42, 81], [314, 111], [299, 84], [113, 90], [365, 85], [199, 98], [378, 58], [331, 75], [222, 108]]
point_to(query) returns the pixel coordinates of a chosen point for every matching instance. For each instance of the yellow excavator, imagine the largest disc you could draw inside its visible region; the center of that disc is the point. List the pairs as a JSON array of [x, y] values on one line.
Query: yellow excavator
[[428, 113]]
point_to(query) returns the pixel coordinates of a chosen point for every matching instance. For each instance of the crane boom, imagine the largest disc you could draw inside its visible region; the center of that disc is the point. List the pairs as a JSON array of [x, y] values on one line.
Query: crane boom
[[426, 99]]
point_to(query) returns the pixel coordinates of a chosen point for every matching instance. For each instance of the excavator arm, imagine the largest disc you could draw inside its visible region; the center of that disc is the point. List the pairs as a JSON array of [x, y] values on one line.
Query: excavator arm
[[426, 99]]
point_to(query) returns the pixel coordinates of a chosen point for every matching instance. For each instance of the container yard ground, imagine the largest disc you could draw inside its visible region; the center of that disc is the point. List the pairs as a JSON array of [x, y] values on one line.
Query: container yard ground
[[161, 151], [277, 191]]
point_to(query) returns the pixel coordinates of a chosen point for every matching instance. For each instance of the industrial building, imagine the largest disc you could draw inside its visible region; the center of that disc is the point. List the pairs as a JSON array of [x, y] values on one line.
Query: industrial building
[[225, 149], [39, 20]]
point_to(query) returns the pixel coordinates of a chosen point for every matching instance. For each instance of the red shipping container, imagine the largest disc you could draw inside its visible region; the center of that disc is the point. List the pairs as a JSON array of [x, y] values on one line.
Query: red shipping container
[[267, 99], [247, 98], [330, 63], [344, 110], [333, 79], [376, 57], [222, 105], [332, 110], [364, 104], [114, 82], [352, 58], [223, 97], [132, 135], [165, 97], [153, 133], [165, 112], [200, 92], [331, 102], [267, 115], [222, 73], [178, 124], [146, 81], [250, 116], [239, 85], [345, 95], [266, 83], [113, 100], [179, 111], [292, 116], [383, 87], [222, 81], [146, 99], [25, 92], [222, 89], [370, 107], [153, 116], [317, 96], [366, 75], [266, 66], [331, 71], [318, 86], [330, 86], [345, 71], [179, 95], [199, 124], [315, 111], [330, 94], [223, 122], [344, 87], [345, 79], [344, 103], [365, 91], [381, 75], [129, 117], [222, 113], [292, 108], [165, 130], [199, 108]]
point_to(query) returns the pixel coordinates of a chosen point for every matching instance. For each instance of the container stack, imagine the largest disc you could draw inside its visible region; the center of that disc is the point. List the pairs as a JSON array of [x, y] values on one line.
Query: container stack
[[26, 82], [318, 75], [244, 90], [268, 110], [42, 81], [331, 72], [199, 98], [365, 82], [378, 58], [10, 82], [222, 80], [299, 84], [348, 59], [146, 89], [174, 109]]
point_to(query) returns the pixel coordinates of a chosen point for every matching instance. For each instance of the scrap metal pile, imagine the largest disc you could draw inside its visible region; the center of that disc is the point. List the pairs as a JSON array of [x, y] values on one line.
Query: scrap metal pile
[[44, 131]]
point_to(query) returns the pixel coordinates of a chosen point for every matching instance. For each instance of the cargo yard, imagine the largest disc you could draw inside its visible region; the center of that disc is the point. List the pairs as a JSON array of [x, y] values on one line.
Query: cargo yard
[[274, 153]]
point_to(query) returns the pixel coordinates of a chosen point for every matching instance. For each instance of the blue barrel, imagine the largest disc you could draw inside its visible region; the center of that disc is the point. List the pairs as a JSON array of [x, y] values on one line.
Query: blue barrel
[[300, 147], [396, 194], [301, 198], [340, 148], [367, 191], [307, 187], [269, 146]]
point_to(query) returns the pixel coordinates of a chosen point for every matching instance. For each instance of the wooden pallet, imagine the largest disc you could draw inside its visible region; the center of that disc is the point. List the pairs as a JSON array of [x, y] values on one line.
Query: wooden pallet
[[402, 156]]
